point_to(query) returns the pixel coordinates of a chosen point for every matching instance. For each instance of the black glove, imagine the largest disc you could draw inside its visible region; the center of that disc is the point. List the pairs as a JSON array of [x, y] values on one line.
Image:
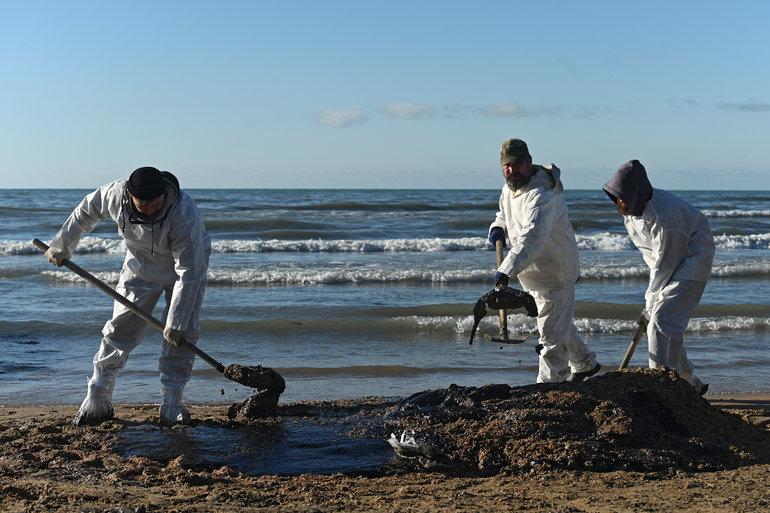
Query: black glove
[[496, 234], [501, 279]]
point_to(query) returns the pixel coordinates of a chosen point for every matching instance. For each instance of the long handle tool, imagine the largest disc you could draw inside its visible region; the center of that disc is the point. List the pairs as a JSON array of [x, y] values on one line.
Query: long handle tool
[[641, 329], [255, 377], [504, 338]]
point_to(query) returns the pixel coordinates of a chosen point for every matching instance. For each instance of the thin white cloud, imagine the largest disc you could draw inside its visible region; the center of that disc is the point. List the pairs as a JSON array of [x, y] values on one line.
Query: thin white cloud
[[459, 111], [503, 109], [747, 106], [513, 110], [406, 110], [341, 118], [589, 112]]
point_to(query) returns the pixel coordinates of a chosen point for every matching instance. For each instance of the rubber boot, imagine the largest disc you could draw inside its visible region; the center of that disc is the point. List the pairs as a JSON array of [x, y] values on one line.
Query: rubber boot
[[97, 406], [171, 409], [577, 377]]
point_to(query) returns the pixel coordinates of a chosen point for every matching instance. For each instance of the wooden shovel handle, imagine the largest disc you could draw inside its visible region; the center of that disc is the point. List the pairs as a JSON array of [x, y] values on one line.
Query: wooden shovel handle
[[641, 329], [152, 321], [501, 313]]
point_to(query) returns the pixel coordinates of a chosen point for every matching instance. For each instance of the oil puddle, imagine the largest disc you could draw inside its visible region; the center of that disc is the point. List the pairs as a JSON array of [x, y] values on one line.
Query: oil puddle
[[289, 448]]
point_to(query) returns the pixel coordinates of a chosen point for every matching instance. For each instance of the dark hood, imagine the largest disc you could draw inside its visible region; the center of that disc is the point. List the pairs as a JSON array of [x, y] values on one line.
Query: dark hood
[[630, 183]]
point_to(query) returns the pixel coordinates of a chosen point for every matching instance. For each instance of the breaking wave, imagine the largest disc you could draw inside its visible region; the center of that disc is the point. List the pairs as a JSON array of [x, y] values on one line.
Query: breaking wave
[[342, 276], [347, 246], [522, 324], [753, 241], [737, 213], [596, 242]]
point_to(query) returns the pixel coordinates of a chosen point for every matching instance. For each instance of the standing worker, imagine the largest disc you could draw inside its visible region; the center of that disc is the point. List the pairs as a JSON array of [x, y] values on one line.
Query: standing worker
[[168, 253], [544, 257], [676, 243]]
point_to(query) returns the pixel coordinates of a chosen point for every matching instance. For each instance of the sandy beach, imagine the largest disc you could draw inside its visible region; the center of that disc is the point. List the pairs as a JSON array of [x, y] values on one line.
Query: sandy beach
[[48, 465]]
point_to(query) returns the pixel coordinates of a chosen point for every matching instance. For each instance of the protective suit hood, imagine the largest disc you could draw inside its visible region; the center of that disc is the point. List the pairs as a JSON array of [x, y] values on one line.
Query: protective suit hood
[[630, 183], [544, 254], [548, 177], [171, 193]]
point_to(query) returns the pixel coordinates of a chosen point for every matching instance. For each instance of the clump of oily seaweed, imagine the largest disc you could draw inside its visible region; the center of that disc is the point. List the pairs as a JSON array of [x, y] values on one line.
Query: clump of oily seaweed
[[268, 386], [640, 420]]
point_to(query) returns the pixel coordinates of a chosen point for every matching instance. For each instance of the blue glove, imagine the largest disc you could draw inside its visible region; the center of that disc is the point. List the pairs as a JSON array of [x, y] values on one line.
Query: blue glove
[[501, 279], [496, 234]]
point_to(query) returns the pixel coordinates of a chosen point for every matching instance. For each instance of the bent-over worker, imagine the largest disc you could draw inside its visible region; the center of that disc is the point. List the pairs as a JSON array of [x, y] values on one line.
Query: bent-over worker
[[676, 243], [167, 253]]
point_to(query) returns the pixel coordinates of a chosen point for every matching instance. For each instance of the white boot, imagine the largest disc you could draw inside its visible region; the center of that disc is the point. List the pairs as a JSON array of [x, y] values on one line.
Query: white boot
[[97, 406], [171, 409]]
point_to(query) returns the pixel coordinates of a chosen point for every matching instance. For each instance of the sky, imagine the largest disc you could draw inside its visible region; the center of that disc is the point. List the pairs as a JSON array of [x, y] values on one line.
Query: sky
[[383, 94]]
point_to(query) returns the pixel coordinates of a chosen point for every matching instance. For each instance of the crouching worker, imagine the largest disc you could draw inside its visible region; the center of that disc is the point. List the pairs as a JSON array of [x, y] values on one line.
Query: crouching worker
[[544, 257], [167, 254], [676, 243]]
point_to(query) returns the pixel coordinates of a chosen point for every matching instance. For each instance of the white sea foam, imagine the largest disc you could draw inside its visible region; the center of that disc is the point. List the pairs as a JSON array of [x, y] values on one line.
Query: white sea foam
[[339, 276], [70, 277], [613, 271], [348, 246], [604, 242], [753, 241], [307, 276], [618, 242], [521, 324], [87, 245], [736, 213], [596, 242]]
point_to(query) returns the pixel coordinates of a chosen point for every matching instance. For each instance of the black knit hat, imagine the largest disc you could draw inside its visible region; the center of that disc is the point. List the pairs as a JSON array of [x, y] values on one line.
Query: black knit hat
[[146, 183]]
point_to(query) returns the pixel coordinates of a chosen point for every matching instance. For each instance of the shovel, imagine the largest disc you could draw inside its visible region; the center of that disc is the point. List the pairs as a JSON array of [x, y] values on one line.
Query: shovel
[[641, 329], [503, 338], [254, 377]]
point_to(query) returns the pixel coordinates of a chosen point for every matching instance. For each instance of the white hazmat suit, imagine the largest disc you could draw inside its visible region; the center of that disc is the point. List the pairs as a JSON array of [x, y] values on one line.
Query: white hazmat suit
[[167, 255], [544, 257], [676, 243]]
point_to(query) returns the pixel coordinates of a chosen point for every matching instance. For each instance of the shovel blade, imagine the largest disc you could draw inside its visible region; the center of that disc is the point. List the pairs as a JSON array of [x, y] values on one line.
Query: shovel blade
[[258, 377]]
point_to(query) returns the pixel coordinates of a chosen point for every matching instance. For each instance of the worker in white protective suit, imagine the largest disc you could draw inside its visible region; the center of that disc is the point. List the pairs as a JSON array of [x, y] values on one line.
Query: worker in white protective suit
[[544, 257], [676, 243], [167, 254]]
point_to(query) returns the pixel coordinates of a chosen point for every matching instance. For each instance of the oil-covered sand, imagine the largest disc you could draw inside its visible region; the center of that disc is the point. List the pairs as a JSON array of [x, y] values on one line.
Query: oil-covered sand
[[632, 441]]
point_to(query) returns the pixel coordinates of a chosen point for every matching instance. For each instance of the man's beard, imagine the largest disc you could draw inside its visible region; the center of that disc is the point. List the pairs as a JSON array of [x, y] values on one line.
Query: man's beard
[[516, 182]]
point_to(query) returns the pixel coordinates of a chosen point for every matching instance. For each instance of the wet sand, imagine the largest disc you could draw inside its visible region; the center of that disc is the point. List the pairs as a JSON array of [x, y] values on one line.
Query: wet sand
[[48, 465]]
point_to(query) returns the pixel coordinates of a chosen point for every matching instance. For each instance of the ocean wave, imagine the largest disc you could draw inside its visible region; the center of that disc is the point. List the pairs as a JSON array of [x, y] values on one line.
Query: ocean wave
[[396, 328], [348, 246], [384, 206], [521, 324], [753, 241], [595, 242], [604, 242], [619, 242], [342, 276], [615, 271], [736, 213], [87, 245], [110, 277], [460, 325]]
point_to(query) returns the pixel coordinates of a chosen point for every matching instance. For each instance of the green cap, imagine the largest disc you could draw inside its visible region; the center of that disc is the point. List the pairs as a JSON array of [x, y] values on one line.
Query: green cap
[[513, 151]]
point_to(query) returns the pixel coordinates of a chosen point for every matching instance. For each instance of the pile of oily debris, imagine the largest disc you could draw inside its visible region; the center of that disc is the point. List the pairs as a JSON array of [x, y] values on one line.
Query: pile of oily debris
[[640, 420], [268, 386]]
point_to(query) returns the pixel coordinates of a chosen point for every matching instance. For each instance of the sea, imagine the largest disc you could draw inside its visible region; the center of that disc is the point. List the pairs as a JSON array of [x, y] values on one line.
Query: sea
[[351, 293]]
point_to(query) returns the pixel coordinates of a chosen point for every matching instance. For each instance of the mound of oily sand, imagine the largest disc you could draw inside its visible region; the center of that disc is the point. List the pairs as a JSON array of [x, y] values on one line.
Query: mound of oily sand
[[644, 420], [268, 386]]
